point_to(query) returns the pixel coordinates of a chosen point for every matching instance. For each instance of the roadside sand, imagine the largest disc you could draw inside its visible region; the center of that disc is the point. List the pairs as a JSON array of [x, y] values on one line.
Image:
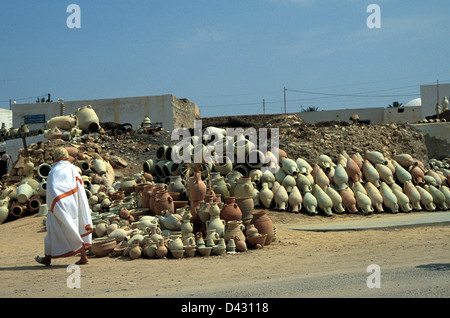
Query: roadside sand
[[295, 253]]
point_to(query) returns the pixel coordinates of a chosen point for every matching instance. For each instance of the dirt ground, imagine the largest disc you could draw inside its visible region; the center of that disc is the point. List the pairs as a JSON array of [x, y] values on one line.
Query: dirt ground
[[295, 253]]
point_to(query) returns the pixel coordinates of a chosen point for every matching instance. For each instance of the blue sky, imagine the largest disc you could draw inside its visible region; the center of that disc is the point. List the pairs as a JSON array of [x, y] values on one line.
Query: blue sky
[[225, 56]]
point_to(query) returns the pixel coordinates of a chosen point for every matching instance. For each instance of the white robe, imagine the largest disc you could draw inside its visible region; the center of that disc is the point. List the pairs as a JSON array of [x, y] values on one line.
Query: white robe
[[69, 223]]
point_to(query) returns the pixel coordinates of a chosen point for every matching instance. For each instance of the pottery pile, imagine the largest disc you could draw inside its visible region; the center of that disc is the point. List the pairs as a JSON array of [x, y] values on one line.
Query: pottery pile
[[160, 225], [24, 188]]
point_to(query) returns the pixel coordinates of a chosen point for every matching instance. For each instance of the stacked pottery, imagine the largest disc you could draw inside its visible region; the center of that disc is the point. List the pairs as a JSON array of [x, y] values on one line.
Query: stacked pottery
[[244, 193]]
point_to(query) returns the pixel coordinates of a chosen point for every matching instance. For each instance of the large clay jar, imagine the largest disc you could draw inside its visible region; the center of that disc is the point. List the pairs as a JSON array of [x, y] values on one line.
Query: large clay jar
[[266, 195], [246, 205], [353, 170], [370, 173], [337, 200], [349, 200], [375, 196], [413, 195], [281, 198], [264, 225], [426, 199], [244, 188], [389, 198], [234, 228], [152, 200], [385, 173], [127, 185], [295, 200], [87, 119], [197, 189], [203, 210], [230, 210], [417, 176]]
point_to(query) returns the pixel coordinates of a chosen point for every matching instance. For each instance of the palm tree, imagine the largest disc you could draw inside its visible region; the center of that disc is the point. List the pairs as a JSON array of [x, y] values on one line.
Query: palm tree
[[396, 104]]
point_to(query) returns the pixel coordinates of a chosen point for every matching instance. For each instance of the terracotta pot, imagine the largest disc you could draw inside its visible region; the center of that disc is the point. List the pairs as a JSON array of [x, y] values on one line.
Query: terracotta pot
[[310, 203], [163, 201], [230, 210], [103, 246], [349, 201], [353, 170], [17, 209], [197, 188], [34, 203], [417, 176], [234, 228], [264, 225]]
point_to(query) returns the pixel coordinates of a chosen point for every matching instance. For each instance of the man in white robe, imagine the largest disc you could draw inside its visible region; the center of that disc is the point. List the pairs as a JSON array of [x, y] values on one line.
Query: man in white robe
[[69, 223]]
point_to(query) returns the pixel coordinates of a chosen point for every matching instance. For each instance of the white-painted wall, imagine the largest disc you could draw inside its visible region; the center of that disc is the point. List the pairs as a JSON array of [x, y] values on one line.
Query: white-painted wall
[[429, 96], [376, 116], [120, 110]]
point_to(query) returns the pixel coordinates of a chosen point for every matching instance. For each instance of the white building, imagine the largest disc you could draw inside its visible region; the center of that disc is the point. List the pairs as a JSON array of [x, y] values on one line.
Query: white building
[[430, 95]]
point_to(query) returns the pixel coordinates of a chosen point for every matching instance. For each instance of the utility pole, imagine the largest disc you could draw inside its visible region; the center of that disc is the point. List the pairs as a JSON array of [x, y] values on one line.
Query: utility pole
[[264, 106], [285, 100]]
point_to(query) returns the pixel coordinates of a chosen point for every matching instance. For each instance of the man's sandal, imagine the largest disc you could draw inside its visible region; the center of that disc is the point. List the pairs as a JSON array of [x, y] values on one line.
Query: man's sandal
[[42, 260]]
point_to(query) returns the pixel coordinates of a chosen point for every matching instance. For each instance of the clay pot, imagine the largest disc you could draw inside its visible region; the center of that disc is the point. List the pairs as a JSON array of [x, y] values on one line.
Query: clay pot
[[17, 209], [375, 196], [4, 210], [215, 223], [230, 210], [43, 170], [389, 198], [413, 195], [220, 187], [146, 194], [266, 195], [163, 201], [417, 176], [364, 203], [353, 170], [370, 173], [127, 185], [438, 196], [99, 165], [264, 225], [176, 185], [34, 203], [401, 173], [135, 251], [295, 200], [63, 122], [406, 160], [234, 228], [323, 200], [257, 241], [281, 199], [385, 173], [103, 246], [349, 200], [88, 120], [24, 193], [246, 206], [426, 199], [402, 200], [197, 188], [304, 184], [290, 167], [241, 245], [375, 157]]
